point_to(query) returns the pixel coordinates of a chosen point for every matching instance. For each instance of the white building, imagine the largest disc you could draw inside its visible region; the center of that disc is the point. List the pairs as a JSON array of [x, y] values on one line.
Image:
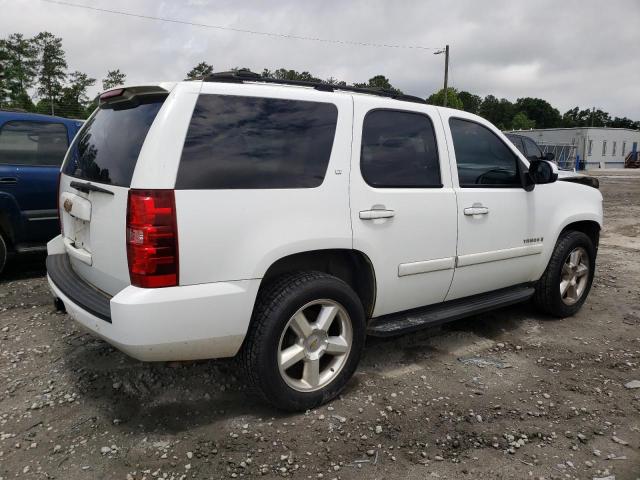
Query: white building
[[596, 147]]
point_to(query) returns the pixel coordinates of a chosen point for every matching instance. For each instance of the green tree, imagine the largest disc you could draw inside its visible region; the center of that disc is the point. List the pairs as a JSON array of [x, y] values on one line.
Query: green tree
[[336, 82], [74, 101], [453, 101], [520, 121], [20, 68], [201, 70], [540, 111], [623, 122], [5, 97], [51, 67], [470, 102], [497, 111], [379, 82], [284, 74], [113, 79]]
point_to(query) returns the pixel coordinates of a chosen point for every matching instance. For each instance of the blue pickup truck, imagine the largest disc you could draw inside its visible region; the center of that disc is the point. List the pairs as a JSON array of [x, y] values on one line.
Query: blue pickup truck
[[32, 148]]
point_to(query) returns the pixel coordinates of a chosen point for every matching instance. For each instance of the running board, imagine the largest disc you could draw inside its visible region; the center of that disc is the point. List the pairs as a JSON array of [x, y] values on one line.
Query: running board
[[418, 318]]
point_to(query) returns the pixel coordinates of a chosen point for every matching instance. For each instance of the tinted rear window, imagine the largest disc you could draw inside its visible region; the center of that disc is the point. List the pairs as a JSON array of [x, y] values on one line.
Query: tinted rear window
[[250, 142], [106, 149], [32, 143]]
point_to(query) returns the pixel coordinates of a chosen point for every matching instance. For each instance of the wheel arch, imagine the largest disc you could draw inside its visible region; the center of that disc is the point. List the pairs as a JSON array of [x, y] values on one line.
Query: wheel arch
[[352, 266], [590, 228]]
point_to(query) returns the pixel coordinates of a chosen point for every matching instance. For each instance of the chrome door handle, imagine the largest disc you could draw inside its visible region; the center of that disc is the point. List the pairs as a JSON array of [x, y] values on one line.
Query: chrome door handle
[[373, 214], [476, 210], [8, 180]]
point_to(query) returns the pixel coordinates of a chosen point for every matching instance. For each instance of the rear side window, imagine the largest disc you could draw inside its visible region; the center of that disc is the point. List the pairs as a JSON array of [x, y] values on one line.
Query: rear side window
[[236, 142], [32, 143], [399, 150], [483, 159], [106, 149]]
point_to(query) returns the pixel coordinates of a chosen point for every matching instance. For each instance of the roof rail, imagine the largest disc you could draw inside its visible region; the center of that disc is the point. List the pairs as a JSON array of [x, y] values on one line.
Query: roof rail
[[242, 76]]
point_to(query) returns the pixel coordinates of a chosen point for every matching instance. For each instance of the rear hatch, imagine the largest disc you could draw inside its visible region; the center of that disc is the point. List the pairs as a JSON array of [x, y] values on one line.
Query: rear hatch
[[95, 181]]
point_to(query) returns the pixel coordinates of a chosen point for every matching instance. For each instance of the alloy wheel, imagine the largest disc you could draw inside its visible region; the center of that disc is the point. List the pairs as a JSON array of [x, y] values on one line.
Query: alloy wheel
[[575, 276], [315, 345]]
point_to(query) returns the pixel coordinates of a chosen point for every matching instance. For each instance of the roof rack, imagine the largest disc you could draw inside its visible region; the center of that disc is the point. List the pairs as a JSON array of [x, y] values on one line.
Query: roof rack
[[242, 76]]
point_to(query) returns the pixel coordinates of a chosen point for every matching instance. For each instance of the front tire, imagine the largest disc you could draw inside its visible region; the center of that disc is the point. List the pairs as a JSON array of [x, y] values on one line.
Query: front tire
[[565, 284], [305, 340]]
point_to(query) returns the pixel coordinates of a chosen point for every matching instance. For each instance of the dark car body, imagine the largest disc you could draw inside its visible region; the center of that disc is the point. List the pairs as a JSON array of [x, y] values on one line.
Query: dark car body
[[32, 147]]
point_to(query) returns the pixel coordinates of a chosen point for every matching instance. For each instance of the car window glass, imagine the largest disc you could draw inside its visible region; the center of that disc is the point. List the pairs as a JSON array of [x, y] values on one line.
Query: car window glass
[[32, 143], [236, 142], [106, 149], [399, 150], [531, 148], [517, 141], [482, 158]]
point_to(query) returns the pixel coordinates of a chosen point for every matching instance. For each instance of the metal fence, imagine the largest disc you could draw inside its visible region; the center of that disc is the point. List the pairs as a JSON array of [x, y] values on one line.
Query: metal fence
[[564, 153]]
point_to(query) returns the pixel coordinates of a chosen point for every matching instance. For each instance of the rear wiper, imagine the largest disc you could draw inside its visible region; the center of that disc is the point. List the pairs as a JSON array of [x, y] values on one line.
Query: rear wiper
[[89, 187]]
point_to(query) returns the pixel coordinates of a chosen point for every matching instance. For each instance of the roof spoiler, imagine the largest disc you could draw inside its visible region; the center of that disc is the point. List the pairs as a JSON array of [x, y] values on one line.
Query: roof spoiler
[[127, 97]]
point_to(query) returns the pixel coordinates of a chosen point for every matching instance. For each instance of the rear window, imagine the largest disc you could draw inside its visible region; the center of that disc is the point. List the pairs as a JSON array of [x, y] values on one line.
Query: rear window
[[106, 149], [32, 143], [238, 142]]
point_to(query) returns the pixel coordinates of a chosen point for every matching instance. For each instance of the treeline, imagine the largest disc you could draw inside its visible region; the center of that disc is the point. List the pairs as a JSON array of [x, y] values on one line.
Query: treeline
[[34, 77]]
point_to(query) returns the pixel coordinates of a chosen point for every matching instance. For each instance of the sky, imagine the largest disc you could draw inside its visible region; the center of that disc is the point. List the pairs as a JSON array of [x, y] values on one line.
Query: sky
[[572, 53]]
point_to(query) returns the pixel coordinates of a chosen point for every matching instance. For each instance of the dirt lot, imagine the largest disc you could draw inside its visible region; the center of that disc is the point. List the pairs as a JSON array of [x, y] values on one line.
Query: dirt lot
[[510, 394]]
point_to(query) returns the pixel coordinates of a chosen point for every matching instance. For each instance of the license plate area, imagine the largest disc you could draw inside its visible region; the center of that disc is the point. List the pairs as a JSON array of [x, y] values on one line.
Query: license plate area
[[76, 221]]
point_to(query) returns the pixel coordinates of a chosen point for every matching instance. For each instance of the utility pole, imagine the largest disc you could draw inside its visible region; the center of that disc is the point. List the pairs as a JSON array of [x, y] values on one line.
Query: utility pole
[[446, 71]]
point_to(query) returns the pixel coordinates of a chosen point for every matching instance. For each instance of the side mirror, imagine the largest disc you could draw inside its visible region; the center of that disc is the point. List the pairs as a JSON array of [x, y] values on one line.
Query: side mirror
[[548, 156], [543, 171]]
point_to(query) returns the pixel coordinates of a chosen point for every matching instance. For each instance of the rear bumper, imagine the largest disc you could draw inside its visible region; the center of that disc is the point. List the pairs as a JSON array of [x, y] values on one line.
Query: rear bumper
[[176, 323]]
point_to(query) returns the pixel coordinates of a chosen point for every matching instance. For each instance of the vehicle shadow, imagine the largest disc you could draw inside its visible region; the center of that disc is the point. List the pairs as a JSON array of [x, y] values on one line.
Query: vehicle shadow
[[172, 397], [161, 397], [24, 266]]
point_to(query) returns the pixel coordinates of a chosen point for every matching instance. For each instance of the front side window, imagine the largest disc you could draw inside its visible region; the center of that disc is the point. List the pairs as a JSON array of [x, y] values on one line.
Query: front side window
[[483, 159], [532, 149], [517, 141], [236, 142], [32, 143], [399, 150]]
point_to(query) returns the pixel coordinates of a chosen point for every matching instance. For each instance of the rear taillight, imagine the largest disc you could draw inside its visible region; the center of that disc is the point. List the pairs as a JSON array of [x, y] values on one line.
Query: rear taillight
[[152, 238]]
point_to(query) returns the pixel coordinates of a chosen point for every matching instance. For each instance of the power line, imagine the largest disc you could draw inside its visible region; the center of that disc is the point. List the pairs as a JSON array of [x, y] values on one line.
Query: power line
[[240, 30]]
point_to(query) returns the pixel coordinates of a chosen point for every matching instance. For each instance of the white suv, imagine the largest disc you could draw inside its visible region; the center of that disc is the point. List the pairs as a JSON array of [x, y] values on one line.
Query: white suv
[[283, 223]]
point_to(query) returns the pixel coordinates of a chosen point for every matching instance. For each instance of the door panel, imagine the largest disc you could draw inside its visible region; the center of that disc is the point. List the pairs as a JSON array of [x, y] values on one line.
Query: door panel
[[411, 242], [499, 238]]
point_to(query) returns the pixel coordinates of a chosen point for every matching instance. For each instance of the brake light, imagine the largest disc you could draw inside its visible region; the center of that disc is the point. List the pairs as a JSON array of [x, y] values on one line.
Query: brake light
[[116, 92], [152, 238]]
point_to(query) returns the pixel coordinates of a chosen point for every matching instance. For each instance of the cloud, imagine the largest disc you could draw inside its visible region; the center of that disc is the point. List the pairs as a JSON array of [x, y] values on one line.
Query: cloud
[[570, 53]]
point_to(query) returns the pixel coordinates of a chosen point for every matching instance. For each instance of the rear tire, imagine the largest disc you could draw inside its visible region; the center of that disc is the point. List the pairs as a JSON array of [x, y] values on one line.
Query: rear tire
[[565, 284], [3, 253], [305, 340]]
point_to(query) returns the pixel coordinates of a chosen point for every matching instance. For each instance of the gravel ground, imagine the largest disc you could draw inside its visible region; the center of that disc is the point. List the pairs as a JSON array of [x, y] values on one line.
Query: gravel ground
[[510, 394]]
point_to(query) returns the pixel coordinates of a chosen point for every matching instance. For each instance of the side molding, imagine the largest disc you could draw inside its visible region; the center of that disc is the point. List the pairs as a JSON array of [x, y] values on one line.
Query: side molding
[[426, 266], [495, 255]]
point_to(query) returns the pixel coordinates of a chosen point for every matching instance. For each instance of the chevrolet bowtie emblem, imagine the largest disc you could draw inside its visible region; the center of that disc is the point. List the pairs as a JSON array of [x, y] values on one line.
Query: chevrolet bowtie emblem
[[68, 205]]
